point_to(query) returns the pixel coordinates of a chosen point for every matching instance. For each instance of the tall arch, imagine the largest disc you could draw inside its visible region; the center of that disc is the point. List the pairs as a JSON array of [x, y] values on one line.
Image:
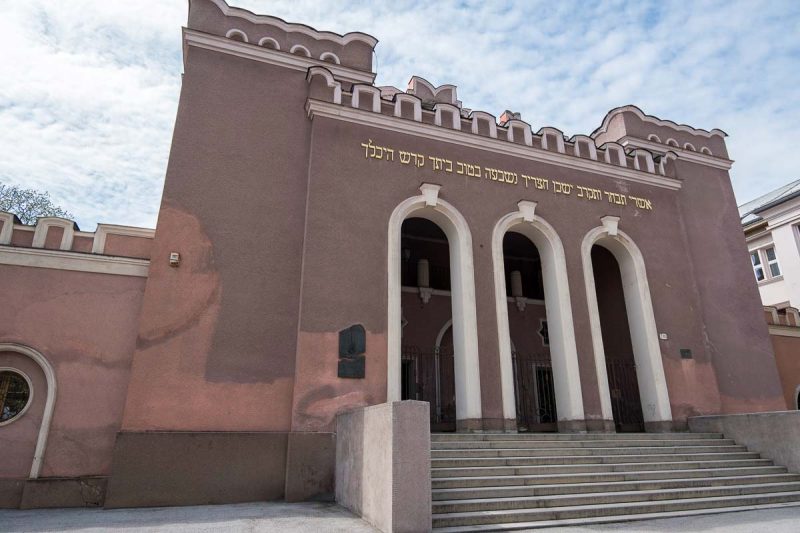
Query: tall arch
[[465, 337], [644, 334], [50, 402], [569, 401]]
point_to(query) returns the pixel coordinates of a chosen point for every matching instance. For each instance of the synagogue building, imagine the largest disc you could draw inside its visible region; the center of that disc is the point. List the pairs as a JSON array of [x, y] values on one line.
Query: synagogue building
[[325, 244]]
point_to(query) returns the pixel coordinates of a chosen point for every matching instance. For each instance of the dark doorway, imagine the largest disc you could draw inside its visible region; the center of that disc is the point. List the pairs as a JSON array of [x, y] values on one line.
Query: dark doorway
[[534, 389], [620, 363], [427, 359]]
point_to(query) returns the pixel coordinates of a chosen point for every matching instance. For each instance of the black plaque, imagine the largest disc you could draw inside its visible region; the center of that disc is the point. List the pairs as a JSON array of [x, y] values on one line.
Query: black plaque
[[352, 347]]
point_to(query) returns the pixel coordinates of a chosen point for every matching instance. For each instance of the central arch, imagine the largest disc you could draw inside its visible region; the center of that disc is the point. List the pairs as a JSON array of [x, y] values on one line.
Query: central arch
[[428, 205], [569, 401]]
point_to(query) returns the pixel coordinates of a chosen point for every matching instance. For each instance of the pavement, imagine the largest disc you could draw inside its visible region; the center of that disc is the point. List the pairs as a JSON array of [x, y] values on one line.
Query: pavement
[[329, 517]]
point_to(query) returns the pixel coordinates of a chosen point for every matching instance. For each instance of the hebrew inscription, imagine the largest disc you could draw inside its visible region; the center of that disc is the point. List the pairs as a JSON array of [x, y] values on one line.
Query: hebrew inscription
[[435, 163]]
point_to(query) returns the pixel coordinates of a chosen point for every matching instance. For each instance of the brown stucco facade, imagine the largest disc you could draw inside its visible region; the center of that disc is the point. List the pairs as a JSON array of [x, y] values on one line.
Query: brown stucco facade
[[214, 376]]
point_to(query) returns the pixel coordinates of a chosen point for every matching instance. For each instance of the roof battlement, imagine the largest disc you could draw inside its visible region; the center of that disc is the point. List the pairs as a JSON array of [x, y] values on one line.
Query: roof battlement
[[216, 17], [627, 137]]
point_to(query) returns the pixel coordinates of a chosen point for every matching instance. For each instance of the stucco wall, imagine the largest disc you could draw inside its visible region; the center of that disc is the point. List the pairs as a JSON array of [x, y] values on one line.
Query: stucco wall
[[787, 356], [85, 325]]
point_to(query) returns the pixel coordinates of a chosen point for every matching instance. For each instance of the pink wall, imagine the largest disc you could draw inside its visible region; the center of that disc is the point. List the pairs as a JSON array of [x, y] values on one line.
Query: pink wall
[[85, 325]]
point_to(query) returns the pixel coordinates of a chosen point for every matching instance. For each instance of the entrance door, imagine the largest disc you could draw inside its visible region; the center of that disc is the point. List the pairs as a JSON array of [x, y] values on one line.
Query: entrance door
[[428, 376], [535, 393], [625, 402]]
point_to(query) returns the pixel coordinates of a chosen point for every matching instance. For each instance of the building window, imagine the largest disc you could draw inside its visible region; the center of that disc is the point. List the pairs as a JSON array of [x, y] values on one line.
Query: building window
[[772, 261], [758, 268], [15, 394]]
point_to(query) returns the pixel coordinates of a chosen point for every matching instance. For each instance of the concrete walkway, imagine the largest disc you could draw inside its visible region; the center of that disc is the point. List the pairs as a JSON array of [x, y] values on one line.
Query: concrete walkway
[[250, 517], [328, 517]]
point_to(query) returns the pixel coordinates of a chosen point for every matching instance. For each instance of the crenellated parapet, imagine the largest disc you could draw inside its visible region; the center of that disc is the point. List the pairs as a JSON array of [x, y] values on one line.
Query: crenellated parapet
[[64, 235], [427, 105], [629, 126], [274, 35]]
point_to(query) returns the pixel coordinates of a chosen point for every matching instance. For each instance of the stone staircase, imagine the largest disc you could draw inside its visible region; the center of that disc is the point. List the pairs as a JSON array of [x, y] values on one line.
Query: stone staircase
[[501, 482]]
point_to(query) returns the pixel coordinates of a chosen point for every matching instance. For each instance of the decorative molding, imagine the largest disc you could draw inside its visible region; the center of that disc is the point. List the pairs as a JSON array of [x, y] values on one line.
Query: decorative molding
[[74, 261], [654, 120], [49, 405], [355, 100], [329, 80], [454, 112], [300, 50], [527, 133], [578, 140], [273, 57], [319, 108], [430, 192], [290, 27], [685, 155], [527, 209], [611, 224], [784, 331], [557, 133], [104, 230], [43, 225], [478, 116]]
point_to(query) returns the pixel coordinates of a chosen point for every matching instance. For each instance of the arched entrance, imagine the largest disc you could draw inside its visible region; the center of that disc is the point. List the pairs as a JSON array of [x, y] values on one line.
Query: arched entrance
[[557, 313], [427, 338], [466, 374], [641, 328]]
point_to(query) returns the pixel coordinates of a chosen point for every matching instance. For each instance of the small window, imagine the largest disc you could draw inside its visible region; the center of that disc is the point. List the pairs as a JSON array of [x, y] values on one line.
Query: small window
[[758, 268], [15, 393], [772, 261]]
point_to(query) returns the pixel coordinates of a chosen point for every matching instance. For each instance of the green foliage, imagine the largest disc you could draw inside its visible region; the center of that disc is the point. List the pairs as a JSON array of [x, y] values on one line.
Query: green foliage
[[29, 204]]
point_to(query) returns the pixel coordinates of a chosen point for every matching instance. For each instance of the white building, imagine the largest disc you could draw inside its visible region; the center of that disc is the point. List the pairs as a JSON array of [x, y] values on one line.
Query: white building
[[772, 230]]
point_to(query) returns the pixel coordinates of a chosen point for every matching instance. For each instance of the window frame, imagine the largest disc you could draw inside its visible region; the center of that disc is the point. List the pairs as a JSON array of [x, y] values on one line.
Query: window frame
[[764, 264], [30, 394]]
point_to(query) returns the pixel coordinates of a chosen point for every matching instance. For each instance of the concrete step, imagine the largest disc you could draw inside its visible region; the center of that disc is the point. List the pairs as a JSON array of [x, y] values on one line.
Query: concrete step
[[607, 510], [443, 437], [600, 477], [596, 450], [587, 468], [598, 520], [565, 500], [594, 443], [472, 493], [589, 459]]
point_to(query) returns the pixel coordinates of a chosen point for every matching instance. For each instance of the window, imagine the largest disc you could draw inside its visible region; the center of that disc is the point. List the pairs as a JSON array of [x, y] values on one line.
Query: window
[[15, 393], [772, 261], [758, 268]]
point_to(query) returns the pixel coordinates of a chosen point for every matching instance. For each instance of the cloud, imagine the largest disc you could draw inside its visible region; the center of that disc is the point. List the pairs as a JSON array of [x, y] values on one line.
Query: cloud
[[90, 87]]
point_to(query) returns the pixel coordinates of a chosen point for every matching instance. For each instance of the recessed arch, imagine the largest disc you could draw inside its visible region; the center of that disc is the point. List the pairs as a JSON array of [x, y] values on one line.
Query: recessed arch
[[642, 324], [563, 350], [653, 137], [672, 142], [330, 57], [50, 402], [237, 35], [797, 397], [465, 338], [689, 146], [705, 150], [300, 50], [269, 42], [440, 335]]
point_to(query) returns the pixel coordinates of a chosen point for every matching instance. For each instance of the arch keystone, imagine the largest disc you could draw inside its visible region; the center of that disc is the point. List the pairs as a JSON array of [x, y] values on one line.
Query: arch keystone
[[430, 192], [611, 224], [527, 209]]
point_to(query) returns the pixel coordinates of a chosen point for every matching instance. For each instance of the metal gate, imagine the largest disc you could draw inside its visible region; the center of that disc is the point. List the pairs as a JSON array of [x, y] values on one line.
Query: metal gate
[[429, 376], [535, 393], [624, 390]]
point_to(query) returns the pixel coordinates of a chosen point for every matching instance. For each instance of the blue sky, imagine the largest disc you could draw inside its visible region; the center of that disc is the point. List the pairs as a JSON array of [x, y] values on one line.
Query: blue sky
[[89, 88]]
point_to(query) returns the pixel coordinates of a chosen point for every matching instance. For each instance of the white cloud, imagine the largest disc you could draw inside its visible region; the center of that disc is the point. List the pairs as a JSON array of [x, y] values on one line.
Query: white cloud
[[89, 87]]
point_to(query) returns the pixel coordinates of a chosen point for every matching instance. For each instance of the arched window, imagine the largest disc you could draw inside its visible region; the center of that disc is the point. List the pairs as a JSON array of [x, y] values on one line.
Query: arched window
[[15, 394]]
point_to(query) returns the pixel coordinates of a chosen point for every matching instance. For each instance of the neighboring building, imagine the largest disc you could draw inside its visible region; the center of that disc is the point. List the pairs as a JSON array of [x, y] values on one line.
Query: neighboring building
[[772, 231], [325, 244]]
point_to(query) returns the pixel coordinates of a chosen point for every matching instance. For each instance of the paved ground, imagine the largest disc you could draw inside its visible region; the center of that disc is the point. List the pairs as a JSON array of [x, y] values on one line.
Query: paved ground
[[249, 517], [326, 518]]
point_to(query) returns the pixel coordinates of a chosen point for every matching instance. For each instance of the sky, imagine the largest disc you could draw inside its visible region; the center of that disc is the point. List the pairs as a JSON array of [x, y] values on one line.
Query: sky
[[89, 88]]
